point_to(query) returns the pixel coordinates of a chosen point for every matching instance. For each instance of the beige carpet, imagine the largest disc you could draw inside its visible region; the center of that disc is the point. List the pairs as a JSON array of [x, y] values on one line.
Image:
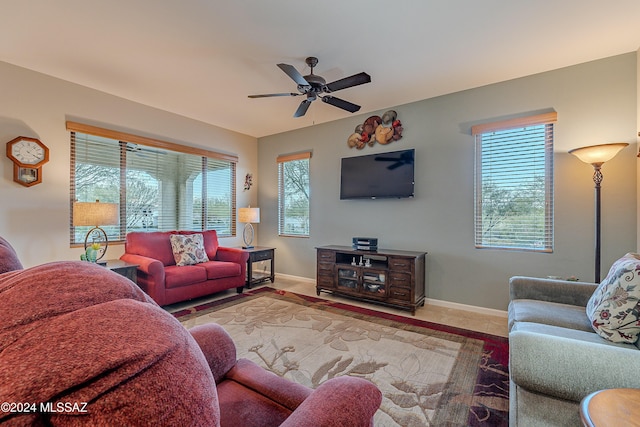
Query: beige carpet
[[429, 374]]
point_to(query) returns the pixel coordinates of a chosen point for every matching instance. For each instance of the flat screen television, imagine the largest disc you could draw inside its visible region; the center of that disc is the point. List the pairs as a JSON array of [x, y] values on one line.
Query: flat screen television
[[377, 176]]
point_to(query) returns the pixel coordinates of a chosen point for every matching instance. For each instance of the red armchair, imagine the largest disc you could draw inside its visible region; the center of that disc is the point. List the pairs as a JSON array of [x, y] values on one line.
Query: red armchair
[[85, 346], [9, 260], [250, 396]]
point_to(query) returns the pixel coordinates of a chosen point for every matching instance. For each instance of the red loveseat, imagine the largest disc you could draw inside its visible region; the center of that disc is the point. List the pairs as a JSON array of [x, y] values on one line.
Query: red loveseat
[[166, 283]]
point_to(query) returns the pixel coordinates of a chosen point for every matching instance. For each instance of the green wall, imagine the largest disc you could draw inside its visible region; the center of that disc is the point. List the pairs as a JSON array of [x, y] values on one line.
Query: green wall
[[596, 104]]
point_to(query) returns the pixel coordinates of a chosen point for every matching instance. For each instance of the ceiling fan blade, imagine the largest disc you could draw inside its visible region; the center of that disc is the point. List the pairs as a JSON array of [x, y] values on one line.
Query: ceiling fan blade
[[302, 109], [341, 103], [266, 95], [355, 80], [294, 74]]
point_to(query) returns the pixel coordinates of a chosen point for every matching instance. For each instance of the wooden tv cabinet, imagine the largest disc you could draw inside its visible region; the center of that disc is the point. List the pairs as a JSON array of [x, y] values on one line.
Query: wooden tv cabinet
[[390, 277]]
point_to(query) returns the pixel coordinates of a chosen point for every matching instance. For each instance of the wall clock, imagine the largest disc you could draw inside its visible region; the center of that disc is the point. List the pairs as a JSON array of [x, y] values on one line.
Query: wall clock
[[28, 155]]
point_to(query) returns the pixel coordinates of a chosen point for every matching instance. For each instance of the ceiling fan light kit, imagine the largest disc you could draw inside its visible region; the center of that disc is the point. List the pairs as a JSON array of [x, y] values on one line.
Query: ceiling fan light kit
[[315, 86]]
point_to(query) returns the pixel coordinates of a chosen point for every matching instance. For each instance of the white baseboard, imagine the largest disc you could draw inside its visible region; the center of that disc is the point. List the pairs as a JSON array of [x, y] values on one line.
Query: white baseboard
[[297, 278], [439, 303], [466, 307]]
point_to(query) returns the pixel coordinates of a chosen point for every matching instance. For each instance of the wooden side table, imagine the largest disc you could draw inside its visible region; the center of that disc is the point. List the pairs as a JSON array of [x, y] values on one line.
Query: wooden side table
[[126, 269], [259, 253], [616, 407]]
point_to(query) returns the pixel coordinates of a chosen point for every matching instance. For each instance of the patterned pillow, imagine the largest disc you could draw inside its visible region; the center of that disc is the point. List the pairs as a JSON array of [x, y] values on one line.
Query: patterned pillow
[[188, 249], [614, 308]]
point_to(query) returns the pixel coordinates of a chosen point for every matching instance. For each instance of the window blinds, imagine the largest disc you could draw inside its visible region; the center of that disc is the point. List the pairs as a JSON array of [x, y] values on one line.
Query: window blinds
[[514, 184], [157, 188]]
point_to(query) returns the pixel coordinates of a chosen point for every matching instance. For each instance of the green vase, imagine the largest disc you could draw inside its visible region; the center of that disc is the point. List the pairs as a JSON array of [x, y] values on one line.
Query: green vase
[[91, 255]]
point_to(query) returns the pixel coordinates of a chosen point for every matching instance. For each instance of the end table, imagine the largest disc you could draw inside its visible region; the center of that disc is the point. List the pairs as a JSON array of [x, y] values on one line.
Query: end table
[[614, 407], [259, 253], [128, 270]]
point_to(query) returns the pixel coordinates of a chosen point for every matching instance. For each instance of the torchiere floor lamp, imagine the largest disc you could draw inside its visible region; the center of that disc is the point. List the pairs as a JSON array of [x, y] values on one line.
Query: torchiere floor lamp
[[596, 155]]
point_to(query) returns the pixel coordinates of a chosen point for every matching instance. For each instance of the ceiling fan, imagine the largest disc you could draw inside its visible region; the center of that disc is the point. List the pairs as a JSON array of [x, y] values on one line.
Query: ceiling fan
[[313, 85]]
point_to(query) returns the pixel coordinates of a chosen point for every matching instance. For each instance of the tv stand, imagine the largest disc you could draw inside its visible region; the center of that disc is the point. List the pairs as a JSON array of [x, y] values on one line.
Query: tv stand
[[394, 278]]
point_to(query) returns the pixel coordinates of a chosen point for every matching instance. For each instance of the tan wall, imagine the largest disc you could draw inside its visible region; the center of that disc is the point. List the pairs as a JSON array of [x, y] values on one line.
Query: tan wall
[[36, 219]]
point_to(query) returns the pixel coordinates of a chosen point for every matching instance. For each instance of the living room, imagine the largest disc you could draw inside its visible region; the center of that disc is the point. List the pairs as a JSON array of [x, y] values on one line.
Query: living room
[[596, 102]]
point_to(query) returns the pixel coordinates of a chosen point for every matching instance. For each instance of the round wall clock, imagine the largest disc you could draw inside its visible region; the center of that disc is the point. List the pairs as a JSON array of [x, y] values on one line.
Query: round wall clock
[[28, 155]]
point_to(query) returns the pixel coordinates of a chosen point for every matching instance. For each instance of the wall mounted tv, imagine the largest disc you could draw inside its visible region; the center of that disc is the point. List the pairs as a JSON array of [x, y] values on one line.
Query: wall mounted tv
[[377, 176]]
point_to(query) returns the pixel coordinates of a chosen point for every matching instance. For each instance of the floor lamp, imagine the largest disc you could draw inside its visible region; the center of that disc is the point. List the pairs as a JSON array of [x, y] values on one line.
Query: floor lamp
[[596, 155]]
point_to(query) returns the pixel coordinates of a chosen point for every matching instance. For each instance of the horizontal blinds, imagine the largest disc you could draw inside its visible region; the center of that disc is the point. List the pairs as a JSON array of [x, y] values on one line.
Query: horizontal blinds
[[514, 187], [146, 141], [293, 197], [157, 188], [95, 175], [220, 209]]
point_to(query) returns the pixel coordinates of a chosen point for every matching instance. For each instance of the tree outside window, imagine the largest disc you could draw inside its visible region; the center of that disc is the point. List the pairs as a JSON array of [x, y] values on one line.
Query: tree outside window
[[293, 195]]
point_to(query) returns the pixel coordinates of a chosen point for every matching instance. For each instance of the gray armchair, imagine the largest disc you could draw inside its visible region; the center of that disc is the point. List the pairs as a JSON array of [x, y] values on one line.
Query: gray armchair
[[555, 357]]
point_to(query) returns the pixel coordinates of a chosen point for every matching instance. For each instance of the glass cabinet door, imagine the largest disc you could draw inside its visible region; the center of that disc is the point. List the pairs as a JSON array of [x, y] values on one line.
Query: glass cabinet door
[[374, 283], [348, 278]]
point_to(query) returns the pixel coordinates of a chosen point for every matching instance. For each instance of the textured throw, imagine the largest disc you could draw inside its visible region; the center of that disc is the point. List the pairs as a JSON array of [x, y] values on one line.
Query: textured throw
[[429, 374]]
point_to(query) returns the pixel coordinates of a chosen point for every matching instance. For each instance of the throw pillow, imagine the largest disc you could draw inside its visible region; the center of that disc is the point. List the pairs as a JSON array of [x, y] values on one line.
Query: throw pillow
[[614, 308], [188, 249]]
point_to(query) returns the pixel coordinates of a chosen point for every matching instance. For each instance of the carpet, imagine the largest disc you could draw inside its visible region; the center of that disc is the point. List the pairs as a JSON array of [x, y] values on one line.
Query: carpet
[[429, 374]]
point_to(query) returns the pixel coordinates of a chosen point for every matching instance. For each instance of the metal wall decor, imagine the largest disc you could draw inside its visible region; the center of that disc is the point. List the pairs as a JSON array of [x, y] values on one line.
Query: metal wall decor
[[382, 130], [248, 181]]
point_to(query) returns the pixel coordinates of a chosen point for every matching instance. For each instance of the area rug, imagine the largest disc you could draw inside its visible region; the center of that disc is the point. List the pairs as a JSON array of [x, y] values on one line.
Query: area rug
[[429, 374]]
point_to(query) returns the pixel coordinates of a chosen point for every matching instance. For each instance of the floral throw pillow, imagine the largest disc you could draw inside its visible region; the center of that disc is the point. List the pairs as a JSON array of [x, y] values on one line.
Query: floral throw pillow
[[188, 249], [614, 308]]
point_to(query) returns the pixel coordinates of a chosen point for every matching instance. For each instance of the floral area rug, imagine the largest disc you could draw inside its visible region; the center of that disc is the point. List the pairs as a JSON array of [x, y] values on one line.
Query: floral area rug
[[429, 374]]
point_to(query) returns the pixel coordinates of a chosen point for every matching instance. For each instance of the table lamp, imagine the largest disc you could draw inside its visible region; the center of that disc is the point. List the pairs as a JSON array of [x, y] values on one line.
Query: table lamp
[[248, 216], [95, 214]]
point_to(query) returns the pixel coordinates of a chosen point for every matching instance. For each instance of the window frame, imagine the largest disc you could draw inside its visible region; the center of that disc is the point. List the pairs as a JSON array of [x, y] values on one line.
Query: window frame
[[281, 161], [548, 120], [123, 138]]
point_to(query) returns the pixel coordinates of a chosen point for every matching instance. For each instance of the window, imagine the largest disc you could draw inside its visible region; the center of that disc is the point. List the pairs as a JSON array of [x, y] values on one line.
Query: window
[[159, 186], [514, 184], [293, 195]]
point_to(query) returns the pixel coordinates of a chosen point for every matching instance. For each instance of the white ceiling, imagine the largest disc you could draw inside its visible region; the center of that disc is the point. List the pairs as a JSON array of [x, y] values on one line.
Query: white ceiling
[[201, 58]]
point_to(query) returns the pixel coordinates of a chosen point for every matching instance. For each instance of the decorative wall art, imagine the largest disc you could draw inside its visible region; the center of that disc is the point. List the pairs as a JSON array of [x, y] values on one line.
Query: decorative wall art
[[248, 181], [382, 130]]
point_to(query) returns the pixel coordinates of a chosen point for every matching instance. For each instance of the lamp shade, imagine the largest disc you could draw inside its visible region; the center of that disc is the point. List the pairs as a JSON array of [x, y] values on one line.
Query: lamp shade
[[95, 213], [598, 154], [249, 215]]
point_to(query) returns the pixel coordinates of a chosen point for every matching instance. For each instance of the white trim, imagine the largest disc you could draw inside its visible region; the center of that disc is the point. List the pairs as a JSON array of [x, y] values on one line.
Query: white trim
[[298, 278], [465, 307], [429, 301]]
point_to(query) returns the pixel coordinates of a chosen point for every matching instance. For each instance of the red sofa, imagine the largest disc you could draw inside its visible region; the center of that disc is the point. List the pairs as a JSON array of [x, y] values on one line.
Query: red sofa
[[167, 283]]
